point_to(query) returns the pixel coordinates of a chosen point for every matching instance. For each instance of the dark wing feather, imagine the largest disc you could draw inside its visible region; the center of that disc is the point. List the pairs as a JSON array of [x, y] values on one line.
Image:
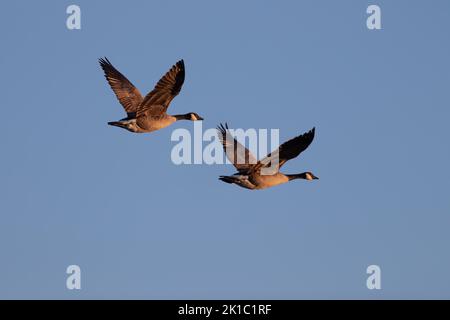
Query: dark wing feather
[[127, 94], [288, 150], [239, 156], [157, 101]]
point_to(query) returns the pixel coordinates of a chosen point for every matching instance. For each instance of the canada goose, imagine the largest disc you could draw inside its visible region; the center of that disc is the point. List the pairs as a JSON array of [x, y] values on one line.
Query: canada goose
[[147, 114], [249, 173]]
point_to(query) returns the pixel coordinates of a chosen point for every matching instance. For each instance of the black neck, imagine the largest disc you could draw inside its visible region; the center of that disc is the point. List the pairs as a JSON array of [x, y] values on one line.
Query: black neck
[[296, 176], [186, 116]]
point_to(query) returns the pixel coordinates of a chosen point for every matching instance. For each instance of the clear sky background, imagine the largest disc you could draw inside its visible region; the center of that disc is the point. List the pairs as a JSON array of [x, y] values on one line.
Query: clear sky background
[[76, 191]]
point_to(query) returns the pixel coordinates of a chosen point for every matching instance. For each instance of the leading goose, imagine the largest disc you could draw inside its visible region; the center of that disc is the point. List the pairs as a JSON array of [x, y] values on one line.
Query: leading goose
[[147, 114], [250, 175]]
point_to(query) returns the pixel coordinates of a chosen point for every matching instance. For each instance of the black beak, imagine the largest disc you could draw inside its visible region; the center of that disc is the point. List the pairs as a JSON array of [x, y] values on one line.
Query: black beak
[[199, 118], [315, 178]]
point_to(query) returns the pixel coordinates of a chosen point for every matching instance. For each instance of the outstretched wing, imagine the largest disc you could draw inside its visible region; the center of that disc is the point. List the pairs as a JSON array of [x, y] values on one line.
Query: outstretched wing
[[127, 94], [157, 101], [239, 156], [288, 150]]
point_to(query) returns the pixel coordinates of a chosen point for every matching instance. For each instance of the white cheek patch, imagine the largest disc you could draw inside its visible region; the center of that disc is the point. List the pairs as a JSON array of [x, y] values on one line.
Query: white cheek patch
[[309, 177]]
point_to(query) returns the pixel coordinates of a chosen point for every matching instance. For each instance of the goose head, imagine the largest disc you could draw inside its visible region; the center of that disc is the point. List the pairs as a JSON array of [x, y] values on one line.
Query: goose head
[[194, 116], [310, 176]]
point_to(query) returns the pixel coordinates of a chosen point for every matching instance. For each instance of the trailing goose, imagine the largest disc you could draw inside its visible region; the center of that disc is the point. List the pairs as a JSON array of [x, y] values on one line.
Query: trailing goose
[[147, 114], [265, 173]]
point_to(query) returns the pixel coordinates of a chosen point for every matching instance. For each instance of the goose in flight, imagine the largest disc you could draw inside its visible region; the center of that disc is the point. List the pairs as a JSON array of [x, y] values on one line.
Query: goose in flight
[[265, 173], [147, 114]]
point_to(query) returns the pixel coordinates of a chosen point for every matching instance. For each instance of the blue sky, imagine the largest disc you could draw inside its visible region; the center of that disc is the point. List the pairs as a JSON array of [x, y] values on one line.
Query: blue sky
[[76, 191]]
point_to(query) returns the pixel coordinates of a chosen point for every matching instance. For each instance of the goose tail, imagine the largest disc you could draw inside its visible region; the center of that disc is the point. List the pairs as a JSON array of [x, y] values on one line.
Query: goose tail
[[118, 124], [227, 179]]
